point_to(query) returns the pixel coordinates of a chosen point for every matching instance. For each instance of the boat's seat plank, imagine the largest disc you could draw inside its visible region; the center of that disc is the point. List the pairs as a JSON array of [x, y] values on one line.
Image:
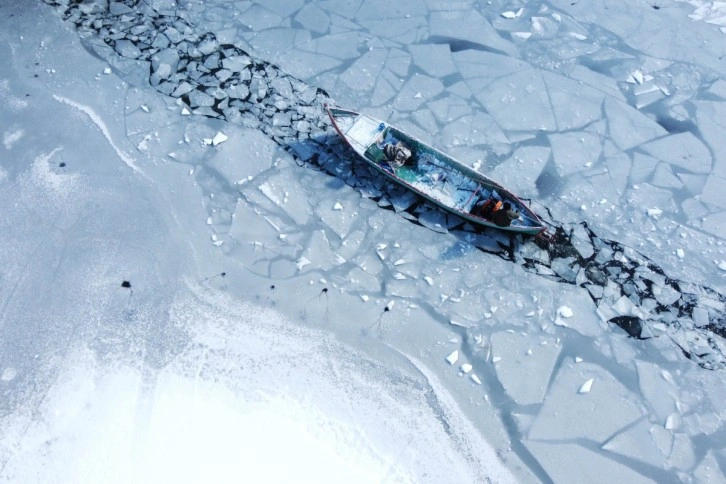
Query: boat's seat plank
[[364, 131]]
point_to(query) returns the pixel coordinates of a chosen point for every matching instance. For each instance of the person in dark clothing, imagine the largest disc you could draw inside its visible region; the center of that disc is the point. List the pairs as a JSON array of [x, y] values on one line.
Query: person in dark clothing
[[398, 154], [486, 209], [505, 215]]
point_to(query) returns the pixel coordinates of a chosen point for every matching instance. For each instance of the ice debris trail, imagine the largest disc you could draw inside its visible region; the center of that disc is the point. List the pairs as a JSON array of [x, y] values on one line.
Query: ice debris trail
[[225, 82]]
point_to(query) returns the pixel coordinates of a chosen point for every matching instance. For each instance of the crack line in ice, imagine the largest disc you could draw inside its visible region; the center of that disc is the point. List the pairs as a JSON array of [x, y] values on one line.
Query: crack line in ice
[[104, 130]]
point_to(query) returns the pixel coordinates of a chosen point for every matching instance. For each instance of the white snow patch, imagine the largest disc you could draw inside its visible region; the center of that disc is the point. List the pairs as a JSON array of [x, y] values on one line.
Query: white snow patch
[[8, 374], [11, 137], [13, 102]]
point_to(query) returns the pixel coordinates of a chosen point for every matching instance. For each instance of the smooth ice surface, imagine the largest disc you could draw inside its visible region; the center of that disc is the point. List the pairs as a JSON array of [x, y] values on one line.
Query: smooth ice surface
[[196, 269]]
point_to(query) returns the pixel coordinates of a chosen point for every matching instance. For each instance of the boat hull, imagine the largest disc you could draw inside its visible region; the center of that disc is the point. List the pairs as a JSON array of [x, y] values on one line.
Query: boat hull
[[433, 175]]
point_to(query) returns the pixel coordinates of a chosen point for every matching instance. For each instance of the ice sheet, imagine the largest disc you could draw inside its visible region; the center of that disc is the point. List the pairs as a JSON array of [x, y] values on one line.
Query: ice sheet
[[606, 345]]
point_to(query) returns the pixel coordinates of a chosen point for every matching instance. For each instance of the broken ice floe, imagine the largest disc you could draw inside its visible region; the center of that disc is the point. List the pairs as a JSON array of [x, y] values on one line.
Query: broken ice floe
[[224, 81]]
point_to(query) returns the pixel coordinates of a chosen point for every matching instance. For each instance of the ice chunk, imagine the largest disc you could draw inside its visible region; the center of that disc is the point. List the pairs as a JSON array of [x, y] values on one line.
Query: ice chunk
[[164, 63], [570, 462], [586, 387], [301, 263], [638, 442], [407, 100], [523, 376], [628, 127], [312, 18], [434, 59], [514, 101], [564, 312], [466, 368], [509, 14], [219, 138], [453, 357], [683, 150], [572, 150], [126, 48], [671, 422], [709, 470], [713, 191], [564, 417], [521, 172]]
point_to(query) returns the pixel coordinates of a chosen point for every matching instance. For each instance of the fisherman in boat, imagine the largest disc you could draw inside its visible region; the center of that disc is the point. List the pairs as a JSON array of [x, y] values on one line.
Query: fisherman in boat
[[505, 215], [397, 155], [487, 208]]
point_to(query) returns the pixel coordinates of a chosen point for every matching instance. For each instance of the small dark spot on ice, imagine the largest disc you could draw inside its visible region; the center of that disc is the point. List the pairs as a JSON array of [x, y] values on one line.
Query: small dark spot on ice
[[272, 287], [325, 289], [126, 284], [386, 309], [62, 164], [35, 75], [222, 274]]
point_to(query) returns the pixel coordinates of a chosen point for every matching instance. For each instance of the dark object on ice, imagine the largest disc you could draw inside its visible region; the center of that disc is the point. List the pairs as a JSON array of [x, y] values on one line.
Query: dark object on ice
[[430, 173], [630, 324], [126, 284]]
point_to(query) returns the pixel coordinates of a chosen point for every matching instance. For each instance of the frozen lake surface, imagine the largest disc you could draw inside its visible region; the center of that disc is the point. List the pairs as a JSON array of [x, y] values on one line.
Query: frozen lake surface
[[200, 282]]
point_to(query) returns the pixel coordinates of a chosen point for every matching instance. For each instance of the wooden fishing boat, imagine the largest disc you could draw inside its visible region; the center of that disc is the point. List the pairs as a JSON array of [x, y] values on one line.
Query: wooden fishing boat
[[434, 175]]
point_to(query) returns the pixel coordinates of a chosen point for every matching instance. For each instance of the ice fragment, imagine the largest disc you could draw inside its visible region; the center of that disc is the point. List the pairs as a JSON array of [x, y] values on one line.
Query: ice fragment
[[453, 357], [671, 421], [337, 206], [564, 312], [475, 378], [586, 387], [219, 138], [466, 368], [301, 262], [654, 212]]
